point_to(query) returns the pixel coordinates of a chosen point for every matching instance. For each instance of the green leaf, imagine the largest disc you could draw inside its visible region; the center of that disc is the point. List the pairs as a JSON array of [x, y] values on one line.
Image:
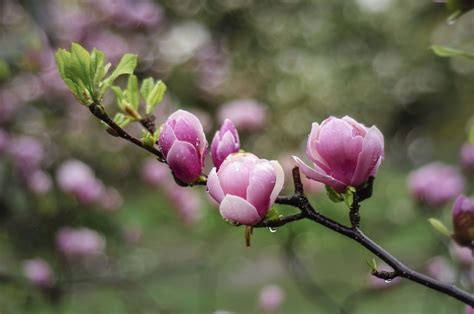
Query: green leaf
[[348, 196], [119, 96], [372, 264], [147, 86], [333, 195], [147, 138], [439, 226], [121, 119], [272, 215], [443, 51], [98, 67], [132, 91], [127, 65], [155, 96]]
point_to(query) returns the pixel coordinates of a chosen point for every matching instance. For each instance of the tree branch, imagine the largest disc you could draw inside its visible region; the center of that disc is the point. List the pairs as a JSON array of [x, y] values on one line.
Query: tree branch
[[299, 200]]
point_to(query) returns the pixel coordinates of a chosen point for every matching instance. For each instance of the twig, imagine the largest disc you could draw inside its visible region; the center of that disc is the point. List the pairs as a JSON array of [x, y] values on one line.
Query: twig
[[99, 112]]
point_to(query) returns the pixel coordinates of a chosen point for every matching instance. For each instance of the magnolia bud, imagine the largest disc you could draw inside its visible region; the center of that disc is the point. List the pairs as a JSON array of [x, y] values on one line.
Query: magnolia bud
[[463, 221], [225, 142]]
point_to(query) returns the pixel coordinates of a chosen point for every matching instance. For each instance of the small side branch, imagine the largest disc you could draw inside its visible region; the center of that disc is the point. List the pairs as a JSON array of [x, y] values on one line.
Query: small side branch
[[99, 112]]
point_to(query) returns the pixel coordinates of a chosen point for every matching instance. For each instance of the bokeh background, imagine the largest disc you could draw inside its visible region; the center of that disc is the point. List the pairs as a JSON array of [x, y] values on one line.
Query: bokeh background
[[143, 244]]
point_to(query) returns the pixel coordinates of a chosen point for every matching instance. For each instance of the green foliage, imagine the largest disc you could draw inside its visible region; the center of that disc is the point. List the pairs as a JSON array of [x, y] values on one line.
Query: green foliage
[[348, 196], [83, 72], [439, 226], [333, 195], [153, 93], [149, 139], [372, 264], [272, 215], [447, 52]]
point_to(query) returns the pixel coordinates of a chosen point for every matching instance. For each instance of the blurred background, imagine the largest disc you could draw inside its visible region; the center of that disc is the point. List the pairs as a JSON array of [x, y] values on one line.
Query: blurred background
[[89, 223]]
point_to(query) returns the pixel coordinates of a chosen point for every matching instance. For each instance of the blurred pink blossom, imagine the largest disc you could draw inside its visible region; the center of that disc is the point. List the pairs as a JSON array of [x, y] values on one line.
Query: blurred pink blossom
[[467, 156], [77, 178], [79, 242], [435, 184], [246, 114], [27, 153], [271, 298], [187, 203], [39, 182], [439, 268], [154, 173], [38, 272], [111, 199], [461, 254]]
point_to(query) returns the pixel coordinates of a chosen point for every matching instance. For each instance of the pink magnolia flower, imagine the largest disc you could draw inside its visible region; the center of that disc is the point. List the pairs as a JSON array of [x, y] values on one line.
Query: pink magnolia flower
[[245, 187], [344, 152], [469, 310], [246, 114], [225, 142], [435, 184], [463, 220], [111, 199], [467, 156], [38, 272], [79, 242], [184, 145], [270, 299], [310, 186]]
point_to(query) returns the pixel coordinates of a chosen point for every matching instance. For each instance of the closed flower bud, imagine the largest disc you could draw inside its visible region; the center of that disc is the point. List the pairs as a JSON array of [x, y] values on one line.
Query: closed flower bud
[[435, 184], [183, 143], [463, 220], [245, 187], [344, 152], [225, 142], [467, 156]]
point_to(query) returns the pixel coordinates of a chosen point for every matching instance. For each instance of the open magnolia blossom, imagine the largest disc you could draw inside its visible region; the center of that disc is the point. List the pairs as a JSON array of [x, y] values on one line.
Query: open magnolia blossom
[[245, 187], [344, 153], [183, 143]]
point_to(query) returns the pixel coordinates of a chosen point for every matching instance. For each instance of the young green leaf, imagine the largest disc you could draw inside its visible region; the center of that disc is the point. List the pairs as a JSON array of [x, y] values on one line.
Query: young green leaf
[[439, 226], [147, 86], [127, 65], [372, 264], [349, 196], [333, 195], [155, 96], [443, 51], [132, 91], [147, 138], [121, 119]]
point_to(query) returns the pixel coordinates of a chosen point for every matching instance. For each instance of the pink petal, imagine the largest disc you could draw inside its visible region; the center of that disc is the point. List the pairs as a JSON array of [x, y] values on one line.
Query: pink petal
[[167, 138], [311, 150], [191, 118], [261, 183], [214, 187], [184, 161], [226, 147], [236, 209], [369, 157], [280, 180], [357, 128], [185, 132], [318, 175], [339, 149], [234, 177]]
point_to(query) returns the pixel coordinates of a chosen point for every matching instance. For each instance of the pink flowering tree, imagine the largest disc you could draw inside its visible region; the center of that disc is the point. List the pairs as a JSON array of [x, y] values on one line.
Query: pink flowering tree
[[341, 153]]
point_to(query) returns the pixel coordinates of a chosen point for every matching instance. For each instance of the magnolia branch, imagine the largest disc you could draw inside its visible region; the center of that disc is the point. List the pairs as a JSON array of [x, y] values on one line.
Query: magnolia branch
[[307, 211], [299, 200]]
